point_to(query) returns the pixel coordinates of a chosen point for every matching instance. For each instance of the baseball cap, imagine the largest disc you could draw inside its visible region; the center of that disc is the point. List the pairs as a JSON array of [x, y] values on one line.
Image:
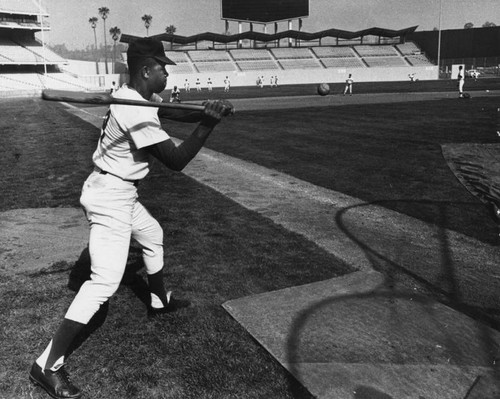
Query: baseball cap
[[147, 47]]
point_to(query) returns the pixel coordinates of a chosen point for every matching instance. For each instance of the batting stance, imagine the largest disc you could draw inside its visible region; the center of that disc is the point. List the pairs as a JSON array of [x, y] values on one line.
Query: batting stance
[[130, 138]]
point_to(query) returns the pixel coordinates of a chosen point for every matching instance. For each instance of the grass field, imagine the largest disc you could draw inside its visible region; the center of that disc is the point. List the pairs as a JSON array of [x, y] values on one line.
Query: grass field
[[216, 250]]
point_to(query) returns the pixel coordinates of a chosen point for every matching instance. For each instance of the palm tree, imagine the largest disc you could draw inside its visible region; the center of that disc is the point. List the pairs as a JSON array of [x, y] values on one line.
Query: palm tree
[[103, 12], [147, 22], [170, 30], [115, 35], [93, 24]]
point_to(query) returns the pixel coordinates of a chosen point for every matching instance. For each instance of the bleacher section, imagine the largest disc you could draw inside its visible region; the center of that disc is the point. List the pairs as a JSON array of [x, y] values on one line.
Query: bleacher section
[[380, 62], [328, 52], [300, 63], [20, 25], [418, 60], [291, 52], [253, 60], [211, 61], [408, 48], [183, 65], [295, 58], [338, 57], [36, 81], [342, 62], [208, 55], [26, 66], [376, 51], [28, 52], [291, 58], [250, 55], [215, 67], [258, 65]]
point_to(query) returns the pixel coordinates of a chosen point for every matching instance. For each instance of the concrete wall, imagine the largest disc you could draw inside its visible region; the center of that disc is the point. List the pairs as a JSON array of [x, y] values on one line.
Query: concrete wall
[[304, 76]]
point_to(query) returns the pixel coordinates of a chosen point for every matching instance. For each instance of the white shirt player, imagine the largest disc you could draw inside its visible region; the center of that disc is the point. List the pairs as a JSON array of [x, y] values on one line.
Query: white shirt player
[[120, 150]]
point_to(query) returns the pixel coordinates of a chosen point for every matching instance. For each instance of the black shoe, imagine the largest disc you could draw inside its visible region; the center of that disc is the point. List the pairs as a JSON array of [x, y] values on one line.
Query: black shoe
[[172, 306], [56, 383]]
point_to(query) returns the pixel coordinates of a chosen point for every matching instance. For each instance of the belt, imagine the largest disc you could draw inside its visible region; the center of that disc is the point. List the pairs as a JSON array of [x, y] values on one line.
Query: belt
[[103, 172]]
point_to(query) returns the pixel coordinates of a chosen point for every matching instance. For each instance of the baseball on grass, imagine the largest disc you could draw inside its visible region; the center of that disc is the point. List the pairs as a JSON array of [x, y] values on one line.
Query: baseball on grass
[[323, 89]]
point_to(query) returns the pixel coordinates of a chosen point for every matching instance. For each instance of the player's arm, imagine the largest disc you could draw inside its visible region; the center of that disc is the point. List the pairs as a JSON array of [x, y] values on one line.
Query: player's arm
[[177, 157], [180, 115]]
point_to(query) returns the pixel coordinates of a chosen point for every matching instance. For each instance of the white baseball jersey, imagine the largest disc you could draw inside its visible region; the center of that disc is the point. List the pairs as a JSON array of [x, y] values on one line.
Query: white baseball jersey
[[126, 131]]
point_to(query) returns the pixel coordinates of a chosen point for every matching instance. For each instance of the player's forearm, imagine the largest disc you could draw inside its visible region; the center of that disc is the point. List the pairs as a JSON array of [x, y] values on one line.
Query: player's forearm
[[180, 115], [177, 157]]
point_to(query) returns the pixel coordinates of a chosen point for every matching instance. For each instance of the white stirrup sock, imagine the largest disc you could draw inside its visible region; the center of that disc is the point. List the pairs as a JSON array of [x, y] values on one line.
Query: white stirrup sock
[[156, 302], [42, 360]]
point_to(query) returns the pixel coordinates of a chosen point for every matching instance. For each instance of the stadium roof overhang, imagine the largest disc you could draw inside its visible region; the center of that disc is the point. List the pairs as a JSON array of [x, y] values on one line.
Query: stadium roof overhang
[[264, 37]]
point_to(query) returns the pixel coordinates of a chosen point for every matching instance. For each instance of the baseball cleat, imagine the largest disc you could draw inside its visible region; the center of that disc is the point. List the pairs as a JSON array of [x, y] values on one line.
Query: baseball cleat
[[56, 383], [172, 306]]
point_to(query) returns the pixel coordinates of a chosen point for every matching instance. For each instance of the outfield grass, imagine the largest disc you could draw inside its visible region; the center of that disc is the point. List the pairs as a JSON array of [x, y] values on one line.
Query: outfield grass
[[388, 154], [444, 85], [215, 250]]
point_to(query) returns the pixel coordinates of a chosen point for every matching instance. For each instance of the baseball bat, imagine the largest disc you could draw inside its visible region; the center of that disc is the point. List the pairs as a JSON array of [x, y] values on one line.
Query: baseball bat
[[106, 99]]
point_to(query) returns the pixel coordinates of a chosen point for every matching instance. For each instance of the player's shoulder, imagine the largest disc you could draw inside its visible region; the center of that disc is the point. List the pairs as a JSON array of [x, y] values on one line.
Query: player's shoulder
[[126, 92]]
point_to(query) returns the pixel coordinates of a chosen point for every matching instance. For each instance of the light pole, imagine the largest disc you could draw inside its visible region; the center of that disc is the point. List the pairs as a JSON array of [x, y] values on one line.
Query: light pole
[[439, 37], [43, 44]]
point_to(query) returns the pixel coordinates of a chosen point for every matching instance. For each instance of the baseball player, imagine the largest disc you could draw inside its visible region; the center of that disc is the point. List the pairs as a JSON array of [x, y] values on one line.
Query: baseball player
[[209, 84], [461, 81], [348, 85], [175, 95], [130, 138], [227, 84], [187, 87], [198, 84]]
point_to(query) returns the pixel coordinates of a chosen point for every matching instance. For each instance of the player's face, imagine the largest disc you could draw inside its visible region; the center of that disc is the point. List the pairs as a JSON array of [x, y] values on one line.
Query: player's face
[[158, 77]]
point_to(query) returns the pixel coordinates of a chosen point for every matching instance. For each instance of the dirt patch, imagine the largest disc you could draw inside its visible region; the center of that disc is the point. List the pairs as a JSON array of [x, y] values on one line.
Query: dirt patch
[[31, 239]]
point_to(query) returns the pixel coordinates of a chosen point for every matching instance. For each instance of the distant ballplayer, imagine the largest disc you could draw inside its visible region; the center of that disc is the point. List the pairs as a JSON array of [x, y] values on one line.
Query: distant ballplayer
[[323, 89], [348, 85]]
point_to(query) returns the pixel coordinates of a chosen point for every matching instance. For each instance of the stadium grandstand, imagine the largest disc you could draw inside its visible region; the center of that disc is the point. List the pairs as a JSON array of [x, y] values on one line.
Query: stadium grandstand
[[295, 56], [26, 65]]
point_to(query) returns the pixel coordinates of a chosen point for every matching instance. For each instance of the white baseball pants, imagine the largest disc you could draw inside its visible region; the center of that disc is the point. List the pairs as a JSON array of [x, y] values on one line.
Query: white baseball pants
[[115, 215]]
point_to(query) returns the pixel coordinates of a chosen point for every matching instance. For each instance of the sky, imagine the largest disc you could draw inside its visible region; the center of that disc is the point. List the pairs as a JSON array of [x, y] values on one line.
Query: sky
[[69, 18]]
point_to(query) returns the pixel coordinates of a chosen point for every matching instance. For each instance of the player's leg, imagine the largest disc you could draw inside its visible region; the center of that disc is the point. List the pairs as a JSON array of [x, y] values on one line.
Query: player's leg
[[110, 218], [148, 233]]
